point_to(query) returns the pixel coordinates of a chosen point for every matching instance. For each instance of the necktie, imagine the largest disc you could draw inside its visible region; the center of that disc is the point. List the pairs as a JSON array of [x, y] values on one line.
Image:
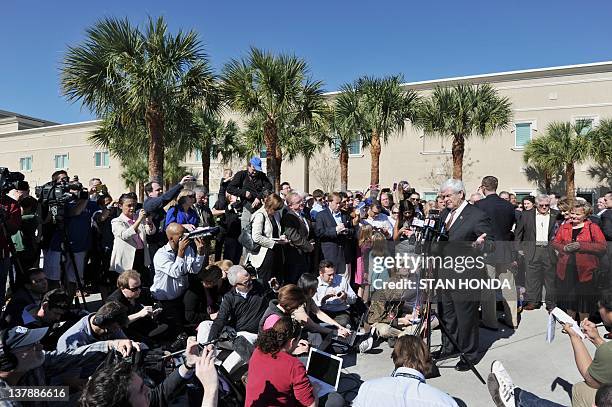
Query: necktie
[[449, 221]]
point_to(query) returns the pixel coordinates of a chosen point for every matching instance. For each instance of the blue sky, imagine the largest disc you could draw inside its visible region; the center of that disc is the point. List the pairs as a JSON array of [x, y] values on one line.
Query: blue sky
[[341, 40]]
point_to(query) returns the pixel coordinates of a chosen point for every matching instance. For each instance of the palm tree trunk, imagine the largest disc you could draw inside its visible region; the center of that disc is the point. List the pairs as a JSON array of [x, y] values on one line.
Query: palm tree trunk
[[306, 174], [155, 125], [570, 189], [279, 162], [458, 149], [547, 182], [271, 139], [344, 159], [140, 191], [132, 187], [206, 165], [375, 153]]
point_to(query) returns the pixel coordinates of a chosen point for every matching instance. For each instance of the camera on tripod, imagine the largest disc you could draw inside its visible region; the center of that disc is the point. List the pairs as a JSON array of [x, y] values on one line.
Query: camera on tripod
[[8, 181], [56, 195]]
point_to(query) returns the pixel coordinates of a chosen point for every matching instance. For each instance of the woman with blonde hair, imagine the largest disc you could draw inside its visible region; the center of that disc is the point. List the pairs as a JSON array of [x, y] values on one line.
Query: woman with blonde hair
[[579, 242], [183, 212], [266, 232]]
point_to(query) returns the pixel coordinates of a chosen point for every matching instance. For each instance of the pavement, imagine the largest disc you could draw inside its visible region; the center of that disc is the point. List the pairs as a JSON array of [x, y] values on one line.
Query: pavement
[[546, 370]]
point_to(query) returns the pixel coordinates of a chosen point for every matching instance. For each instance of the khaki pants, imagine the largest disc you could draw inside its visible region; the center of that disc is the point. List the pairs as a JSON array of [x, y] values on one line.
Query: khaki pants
[[488, 301], [583, 395]]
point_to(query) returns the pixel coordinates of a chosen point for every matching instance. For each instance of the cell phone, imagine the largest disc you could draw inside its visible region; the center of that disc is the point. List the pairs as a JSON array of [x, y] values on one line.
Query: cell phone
[[339, 293]]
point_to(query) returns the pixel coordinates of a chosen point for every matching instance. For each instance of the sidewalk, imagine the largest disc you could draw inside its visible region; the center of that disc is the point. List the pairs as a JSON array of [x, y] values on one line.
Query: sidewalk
[[547, 370]]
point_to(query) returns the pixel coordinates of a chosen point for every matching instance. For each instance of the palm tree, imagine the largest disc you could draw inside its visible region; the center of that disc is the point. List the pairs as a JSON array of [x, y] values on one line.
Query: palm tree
[[384, 109], [214, 136], [276, 91], [140, 83], [568, 145], [345, 123], [539, 155], [600, 145], [461, 111]]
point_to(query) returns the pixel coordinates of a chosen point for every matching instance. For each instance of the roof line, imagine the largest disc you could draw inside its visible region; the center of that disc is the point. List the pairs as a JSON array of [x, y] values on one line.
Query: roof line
[[46, 128], [497, 74]]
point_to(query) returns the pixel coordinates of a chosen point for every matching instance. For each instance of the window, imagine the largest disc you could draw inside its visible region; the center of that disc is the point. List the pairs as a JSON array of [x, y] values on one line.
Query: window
[[263, 153], [25, 163], [354, 148], [434, 145], [430, 196], [101, 159], [522, 134], [61, 161], [585, 125], [198, 155]]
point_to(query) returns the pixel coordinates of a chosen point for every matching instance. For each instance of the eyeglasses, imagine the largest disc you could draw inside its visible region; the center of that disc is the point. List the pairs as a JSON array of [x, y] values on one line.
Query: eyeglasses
[[395, 212], [134, 289], [543, 205]]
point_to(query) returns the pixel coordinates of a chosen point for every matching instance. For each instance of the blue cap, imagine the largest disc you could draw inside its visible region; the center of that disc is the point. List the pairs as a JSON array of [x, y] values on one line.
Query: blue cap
[[256, 163]]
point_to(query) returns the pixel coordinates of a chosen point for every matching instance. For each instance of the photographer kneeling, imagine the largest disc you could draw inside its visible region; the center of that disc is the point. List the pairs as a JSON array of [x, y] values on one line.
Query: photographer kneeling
[[121, 385]]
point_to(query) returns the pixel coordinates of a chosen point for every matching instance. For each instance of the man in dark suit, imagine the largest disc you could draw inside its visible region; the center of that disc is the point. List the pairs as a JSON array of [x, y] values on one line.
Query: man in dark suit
[[297, 229], [606, 227], [501, 215], [332, 228], [534, 232], [469, 236], [251, 186]]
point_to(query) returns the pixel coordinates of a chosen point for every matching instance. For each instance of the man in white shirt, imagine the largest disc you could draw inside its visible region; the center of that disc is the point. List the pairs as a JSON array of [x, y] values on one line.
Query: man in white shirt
[[334, 294], [379, 220], [406, 386], [173, 263]]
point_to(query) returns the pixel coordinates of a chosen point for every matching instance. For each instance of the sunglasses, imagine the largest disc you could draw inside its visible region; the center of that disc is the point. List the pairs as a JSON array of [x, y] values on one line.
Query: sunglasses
[[134, 289], [395, 213], [543, 205]]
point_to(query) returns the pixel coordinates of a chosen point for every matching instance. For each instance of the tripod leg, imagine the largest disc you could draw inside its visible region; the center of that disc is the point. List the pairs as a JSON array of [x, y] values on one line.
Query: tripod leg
[[461, 353]]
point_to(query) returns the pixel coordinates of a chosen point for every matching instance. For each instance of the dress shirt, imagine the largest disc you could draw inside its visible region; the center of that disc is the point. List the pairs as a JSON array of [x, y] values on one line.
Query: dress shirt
[[456, 214], [334, 304], [171, 272], [338, 217], [542, 223], [316, 208], [136, 237], [406, 387]]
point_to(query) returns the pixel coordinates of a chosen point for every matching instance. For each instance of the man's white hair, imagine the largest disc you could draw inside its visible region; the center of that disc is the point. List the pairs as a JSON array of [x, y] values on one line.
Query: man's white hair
[[542, 198], [454, 184], [234, 272]]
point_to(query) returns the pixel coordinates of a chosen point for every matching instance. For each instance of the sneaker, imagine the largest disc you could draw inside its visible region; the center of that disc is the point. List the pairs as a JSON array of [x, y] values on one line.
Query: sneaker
[[500, 386], [366, 345]]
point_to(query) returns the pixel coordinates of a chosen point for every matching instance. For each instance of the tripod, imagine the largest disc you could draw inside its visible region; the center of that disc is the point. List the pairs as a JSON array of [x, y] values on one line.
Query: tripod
[[68, 254], [429, 313]]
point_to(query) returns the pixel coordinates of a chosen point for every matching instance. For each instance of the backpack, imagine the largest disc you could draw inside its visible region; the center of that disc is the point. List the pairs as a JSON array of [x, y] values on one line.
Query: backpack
[[246, 239]]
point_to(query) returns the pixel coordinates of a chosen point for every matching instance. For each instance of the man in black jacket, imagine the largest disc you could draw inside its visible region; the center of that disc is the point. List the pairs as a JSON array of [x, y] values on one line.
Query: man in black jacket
[[469, 237], [297, 229], [251, 186], [606, 227], [534, 232], [501, 215], [154, 206], [333, 228]]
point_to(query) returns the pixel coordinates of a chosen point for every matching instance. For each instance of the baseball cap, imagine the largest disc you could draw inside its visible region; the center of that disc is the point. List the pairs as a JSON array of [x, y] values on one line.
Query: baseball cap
[[20, 336], [256, 163]]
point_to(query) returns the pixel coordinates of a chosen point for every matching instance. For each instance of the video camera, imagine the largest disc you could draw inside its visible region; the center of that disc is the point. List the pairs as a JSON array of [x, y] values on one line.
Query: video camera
[[205, 232], [9, 180], [56, 195]]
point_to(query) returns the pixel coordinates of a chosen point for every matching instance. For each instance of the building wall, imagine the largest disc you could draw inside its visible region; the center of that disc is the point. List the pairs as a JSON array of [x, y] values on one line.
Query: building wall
[[541, 97]]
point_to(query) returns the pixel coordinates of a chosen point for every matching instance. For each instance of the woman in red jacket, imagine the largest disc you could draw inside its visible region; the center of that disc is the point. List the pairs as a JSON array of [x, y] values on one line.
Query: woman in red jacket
[[578, 242]]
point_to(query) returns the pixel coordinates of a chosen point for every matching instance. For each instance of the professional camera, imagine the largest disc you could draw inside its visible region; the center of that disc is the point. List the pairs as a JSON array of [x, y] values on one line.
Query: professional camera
[[9, 180], [56, 195], [204, 232]]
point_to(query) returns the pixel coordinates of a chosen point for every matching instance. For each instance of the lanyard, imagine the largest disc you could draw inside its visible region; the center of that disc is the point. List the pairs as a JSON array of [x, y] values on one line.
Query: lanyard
[[408, 375]]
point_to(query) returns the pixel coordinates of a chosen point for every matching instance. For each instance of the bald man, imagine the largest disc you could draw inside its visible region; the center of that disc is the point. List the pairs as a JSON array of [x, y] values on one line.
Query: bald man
[[173, 262]]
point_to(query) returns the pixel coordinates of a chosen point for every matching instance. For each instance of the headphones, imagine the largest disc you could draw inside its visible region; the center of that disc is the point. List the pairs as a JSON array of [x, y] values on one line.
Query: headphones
[[8, 361]]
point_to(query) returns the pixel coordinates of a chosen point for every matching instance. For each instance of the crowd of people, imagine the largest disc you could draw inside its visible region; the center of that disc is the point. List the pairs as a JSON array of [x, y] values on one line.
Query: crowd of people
[[233, 294]]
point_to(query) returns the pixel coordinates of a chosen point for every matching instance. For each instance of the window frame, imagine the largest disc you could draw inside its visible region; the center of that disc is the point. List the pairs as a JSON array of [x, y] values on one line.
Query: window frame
[[31, 160], [61, 155], [101, 152], [532, 128], [595, 119]]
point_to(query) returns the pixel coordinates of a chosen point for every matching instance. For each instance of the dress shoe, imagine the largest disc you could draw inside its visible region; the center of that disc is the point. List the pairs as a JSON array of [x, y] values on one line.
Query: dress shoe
[[462, 366], [437, 355], [531, 306]]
